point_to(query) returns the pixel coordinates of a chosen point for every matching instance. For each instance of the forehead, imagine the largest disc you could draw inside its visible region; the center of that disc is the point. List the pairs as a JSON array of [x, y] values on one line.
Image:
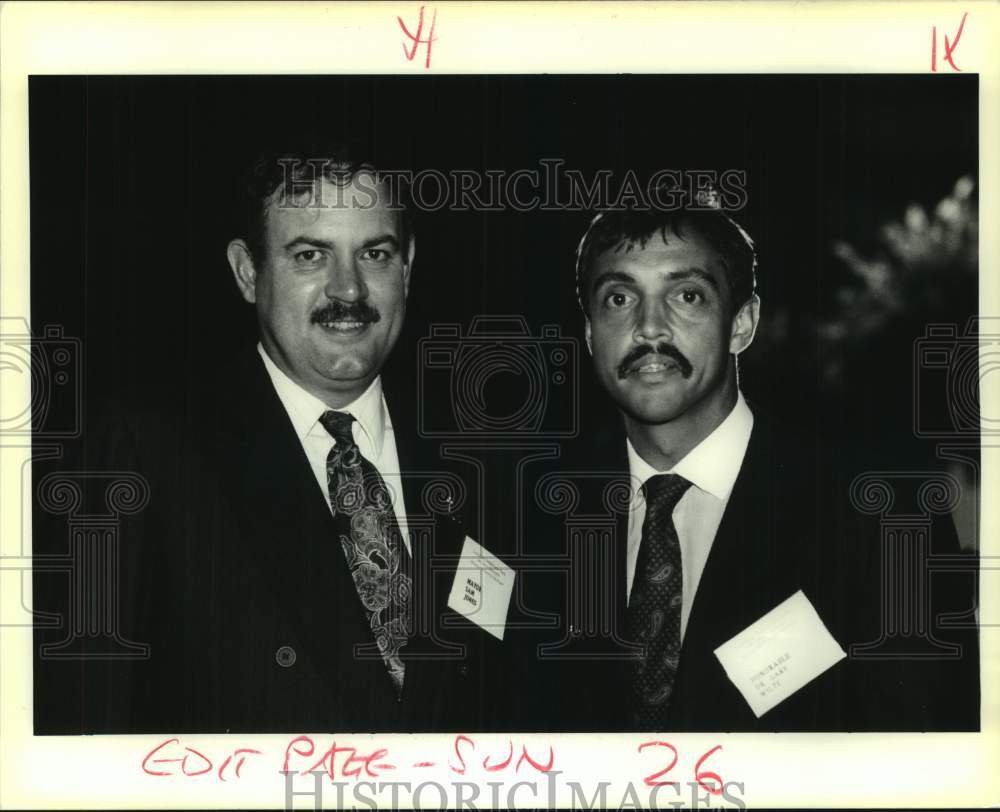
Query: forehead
[[662, 255], [358, 209]]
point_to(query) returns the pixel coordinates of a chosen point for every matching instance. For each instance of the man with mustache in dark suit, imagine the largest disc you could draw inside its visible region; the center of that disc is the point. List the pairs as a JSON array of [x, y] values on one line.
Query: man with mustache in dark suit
[[696, 516], [292, 569]]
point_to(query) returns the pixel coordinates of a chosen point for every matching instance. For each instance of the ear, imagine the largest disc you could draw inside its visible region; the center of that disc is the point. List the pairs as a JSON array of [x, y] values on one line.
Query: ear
[[588, 337], [744, 325], [408, 265], [240, 261]]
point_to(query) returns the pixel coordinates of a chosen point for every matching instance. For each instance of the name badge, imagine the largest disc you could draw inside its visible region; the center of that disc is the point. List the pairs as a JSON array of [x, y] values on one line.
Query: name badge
[[771, 659], [482, 588]]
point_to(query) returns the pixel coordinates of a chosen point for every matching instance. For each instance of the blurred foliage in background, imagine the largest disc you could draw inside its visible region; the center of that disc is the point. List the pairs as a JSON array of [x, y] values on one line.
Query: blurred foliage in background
[[926, 272], [858, 381], [848, 358]]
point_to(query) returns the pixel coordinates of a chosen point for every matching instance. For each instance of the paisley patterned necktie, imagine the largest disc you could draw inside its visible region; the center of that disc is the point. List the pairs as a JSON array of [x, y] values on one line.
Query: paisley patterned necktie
[[653, 617], [370, 538]]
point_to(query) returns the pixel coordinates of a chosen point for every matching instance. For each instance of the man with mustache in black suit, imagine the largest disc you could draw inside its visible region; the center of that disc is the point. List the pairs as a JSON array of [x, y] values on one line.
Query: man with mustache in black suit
[[696, 516], [292, 570]]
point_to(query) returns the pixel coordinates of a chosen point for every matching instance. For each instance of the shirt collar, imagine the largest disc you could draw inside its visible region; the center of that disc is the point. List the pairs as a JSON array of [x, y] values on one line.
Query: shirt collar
[[714, 463], [304, 408]]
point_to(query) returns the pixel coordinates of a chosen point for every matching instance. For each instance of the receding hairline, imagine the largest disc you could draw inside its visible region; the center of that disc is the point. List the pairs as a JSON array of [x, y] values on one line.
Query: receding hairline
[[627, 243], [398, 210], [307, 186]]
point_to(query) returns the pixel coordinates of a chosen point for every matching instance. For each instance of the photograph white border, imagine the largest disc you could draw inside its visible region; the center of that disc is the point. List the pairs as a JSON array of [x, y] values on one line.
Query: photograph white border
[[784, 770]]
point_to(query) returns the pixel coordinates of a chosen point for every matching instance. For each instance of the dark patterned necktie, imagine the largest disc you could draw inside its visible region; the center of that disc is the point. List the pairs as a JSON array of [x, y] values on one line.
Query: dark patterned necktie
[[653, 618], [370, 538]]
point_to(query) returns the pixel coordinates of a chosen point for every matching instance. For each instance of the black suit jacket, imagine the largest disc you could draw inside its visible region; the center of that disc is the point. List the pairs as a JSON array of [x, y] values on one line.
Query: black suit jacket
[[789, 525], [233, 576]]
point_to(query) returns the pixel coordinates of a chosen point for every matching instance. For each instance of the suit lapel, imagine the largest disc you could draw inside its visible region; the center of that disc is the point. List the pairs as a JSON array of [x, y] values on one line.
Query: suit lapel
[[743, 578], [288, 533], [621, 479], [433, 535], [748, 572], [702, 693]]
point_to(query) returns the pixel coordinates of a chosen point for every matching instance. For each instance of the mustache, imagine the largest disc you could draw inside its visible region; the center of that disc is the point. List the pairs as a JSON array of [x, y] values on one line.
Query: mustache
[[345, 311], [662, 349]]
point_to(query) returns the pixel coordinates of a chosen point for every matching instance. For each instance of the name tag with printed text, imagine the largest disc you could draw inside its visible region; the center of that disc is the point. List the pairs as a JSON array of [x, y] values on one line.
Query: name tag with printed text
[[773, 658], [482, 588]]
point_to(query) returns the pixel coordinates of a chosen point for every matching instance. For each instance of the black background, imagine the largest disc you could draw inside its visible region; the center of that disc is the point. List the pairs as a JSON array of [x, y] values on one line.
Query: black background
[[134, 183]]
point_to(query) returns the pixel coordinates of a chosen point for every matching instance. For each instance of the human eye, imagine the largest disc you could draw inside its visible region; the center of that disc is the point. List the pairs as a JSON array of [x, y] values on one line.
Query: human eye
[[308, 256], [377, 255], [617, 299], [690, 296]]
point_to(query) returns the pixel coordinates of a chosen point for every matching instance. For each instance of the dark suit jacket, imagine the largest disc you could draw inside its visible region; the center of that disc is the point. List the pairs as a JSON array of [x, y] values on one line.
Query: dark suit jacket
[[789, 525], [233, 576]]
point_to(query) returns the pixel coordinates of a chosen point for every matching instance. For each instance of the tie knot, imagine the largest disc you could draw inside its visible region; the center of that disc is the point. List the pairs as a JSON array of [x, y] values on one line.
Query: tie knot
[[664, 491], [338, 424]]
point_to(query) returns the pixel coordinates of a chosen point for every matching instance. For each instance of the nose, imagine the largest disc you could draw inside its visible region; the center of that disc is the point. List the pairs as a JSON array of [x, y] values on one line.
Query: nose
[[652, 322], [344, 281]]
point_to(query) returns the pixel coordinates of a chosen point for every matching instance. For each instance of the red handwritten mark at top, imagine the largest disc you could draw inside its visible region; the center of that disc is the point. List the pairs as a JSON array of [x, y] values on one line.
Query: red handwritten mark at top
[[424, 764], [417, 39], [949, 46], [651, 780], [699, 773], [183, 760]]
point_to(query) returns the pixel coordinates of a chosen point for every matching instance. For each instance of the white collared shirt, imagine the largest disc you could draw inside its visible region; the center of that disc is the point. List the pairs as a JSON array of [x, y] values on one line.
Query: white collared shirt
[[711, 467], [372, 431]]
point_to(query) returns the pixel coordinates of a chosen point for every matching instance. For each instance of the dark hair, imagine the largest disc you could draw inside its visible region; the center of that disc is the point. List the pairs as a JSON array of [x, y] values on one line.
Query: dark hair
[[612, 230], [337, 163]]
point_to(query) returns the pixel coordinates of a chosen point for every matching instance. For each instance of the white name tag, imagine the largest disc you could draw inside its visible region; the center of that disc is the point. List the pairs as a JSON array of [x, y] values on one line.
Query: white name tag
[[482, 588], [771, 659]]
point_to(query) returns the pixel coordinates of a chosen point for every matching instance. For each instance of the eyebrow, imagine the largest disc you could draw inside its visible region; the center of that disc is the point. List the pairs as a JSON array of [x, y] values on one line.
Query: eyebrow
[[611, 276], [695, 273], [681, 273], [305, 239]]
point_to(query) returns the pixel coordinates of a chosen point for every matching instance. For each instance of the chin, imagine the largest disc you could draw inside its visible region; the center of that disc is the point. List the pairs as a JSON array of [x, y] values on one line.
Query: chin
[[651, 414], [658, 405], [340, 369], [653, 417]]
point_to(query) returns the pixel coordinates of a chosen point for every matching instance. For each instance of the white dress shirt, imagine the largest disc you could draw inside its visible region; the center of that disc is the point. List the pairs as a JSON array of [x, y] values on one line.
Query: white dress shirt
[[372, 431], [711, 467]]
